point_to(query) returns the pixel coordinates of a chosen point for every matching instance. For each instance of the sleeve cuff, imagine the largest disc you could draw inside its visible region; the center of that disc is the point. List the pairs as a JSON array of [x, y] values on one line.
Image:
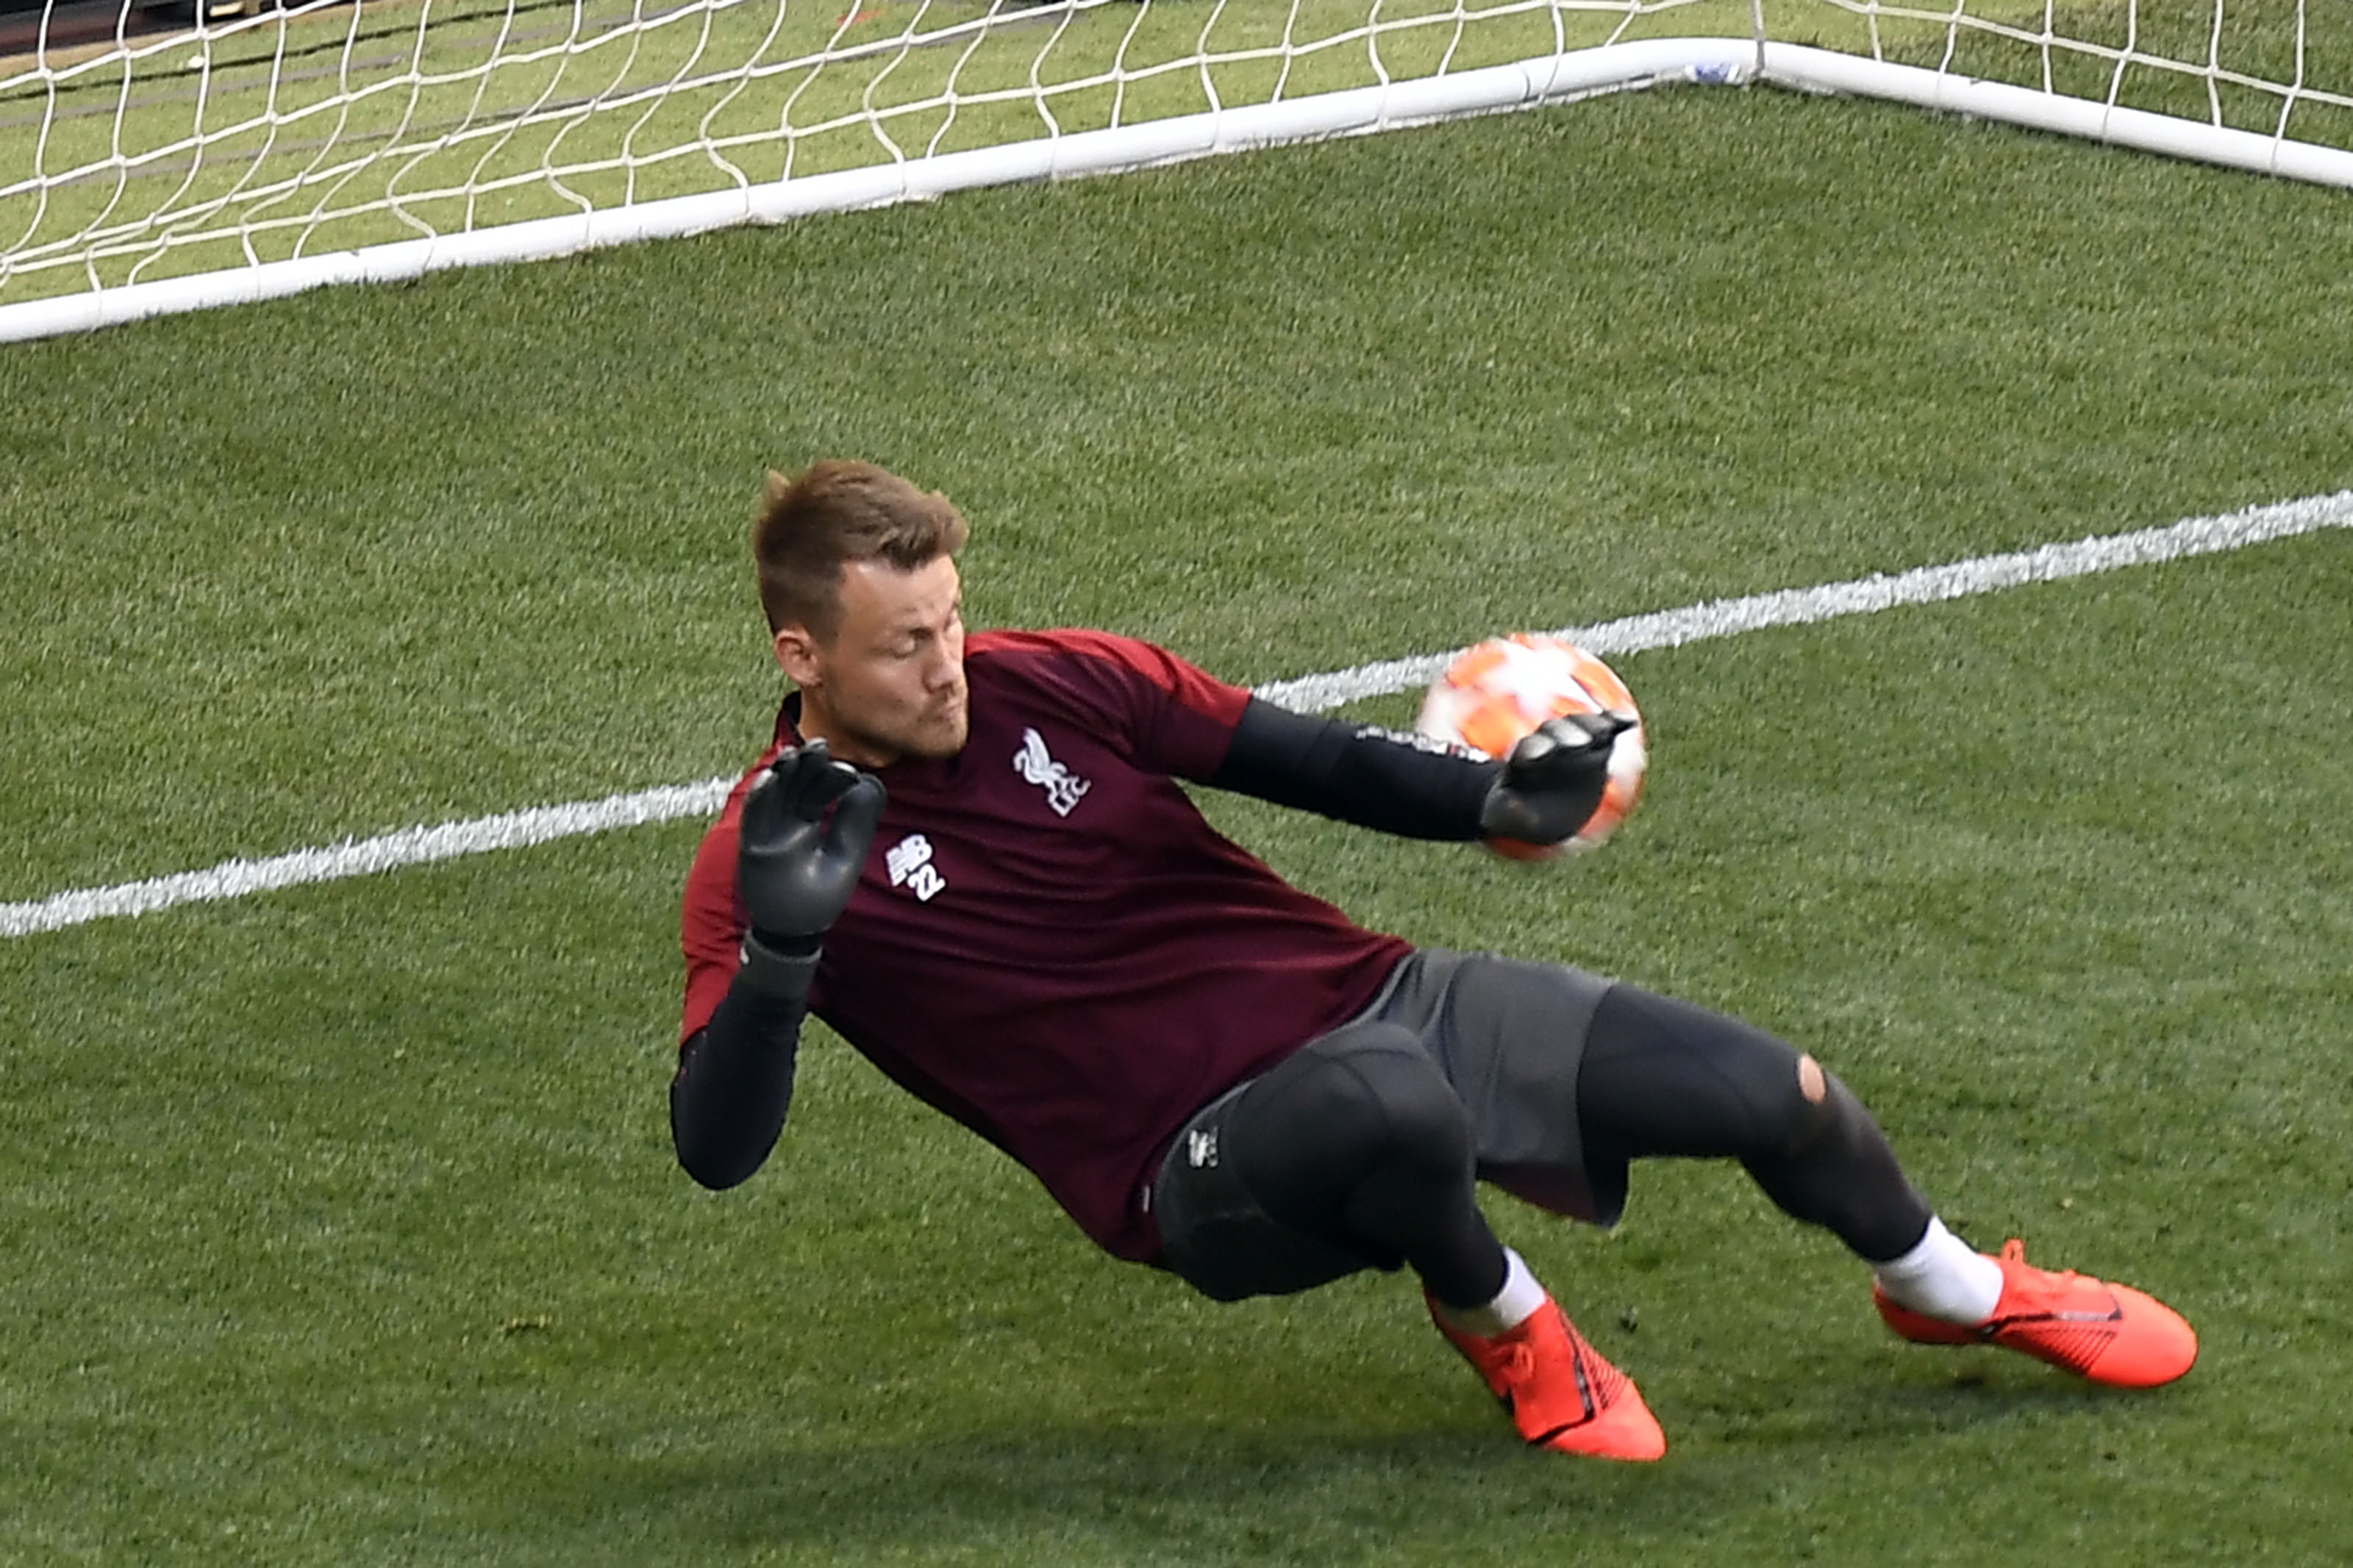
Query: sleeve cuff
[[778, 967]]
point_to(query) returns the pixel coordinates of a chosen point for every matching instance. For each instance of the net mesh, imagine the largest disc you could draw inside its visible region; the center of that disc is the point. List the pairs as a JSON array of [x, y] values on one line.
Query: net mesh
[[329, 125]]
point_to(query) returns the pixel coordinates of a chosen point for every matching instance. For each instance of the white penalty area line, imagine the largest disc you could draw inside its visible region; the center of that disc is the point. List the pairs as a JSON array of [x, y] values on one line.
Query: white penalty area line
[[1307, 694], [1862, 596]]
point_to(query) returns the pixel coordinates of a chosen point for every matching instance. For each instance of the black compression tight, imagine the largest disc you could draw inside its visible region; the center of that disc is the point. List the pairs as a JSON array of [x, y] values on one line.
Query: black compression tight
[[1358, 1141], [1663, 1077]]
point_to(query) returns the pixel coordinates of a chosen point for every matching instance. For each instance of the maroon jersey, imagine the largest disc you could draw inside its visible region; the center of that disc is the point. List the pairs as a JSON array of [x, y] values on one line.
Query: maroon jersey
[[1048, 943]]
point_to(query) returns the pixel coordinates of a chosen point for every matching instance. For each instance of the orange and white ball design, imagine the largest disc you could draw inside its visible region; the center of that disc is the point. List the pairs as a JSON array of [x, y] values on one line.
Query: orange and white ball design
[[1492, 695]]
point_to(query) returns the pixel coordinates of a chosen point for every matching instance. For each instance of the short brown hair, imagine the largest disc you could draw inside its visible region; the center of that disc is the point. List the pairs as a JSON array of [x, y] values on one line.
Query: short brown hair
[[838, 511]]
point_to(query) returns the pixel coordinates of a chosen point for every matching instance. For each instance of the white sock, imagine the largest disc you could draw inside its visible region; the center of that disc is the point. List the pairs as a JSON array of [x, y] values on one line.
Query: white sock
[[1942, 1276], [1515, 1304]]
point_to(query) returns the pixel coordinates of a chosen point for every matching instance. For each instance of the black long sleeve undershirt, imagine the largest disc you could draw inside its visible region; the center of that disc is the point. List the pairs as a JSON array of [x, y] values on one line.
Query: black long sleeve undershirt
[[733, 1085], [1358, 773]]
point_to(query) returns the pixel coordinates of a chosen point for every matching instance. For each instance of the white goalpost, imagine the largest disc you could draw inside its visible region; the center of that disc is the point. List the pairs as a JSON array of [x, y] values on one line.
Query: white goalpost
[[157, 158]]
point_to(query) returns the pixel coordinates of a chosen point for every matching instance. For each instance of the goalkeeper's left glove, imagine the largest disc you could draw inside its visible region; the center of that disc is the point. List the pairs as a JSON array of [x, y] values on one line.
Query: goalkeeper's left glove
[[1553, 780], [805, 830]]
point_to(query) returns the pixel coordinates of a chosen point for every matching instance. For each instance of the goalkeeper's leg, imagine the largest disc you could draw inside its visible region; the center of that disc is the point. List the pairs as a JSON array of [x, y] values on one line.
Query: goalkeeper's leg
[[1664, 1078], [1354, 1146], [1356, 1151], [1570, 1077]]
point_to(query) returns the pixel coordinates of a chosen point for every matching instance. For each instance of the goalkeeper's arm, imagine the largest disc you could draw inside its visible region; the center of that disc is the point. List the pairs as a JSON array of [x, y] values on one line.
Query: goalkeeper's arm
[[1420, 788], [734, 1083], [802, 833]]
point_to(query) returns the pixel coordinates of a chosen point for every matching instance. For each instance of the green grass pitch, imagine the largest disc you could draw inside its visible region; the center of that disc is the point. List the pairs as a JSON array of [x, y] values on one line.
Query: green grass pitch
[[339, 1225]]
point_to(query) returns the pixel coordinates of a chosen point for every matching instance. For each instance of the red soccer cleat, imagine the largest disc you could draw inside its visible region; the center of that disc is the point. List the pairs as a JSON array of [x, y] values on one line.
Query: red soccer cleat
[[2109, 1333], [1560, 1392]]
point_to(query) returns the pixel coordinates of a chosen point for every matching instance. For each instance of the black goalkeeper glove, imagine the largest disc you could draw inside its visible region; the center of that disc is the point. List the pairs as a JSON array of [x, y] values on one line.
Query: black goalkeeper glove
[[807, 826], [1553, 780]]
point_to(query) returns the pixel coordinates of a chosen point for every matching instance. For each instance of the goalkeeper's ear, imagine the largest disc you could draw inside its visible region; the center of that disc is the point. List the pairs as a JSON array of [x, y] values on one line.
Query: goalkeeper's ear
[[797, 654]]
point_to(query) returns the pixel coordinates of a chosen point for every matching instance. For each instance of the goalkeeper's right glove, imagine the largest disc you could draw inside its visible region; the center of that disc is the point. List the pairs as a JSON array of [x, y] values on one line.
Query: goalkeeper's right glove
[[806, 827], [1553, 780]]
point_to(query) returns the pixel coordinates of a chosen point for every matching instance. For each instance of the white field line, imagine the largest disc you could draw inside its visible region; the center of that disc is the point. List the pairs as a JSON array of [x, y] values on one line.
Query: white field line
[[1313, 694]]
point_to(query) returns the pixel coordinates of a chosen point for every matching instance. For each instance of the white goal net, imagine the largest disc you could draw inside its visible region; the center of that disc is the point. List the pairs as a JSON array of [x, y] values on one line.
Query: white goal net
[[157, 155]]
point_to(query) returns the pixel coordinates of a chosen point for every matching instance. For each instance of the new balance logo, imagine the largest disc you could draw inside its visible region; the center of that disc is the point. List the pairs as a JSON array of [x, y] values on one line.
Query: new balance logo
[[909, 861], [1201, 1148], [1062, 786]]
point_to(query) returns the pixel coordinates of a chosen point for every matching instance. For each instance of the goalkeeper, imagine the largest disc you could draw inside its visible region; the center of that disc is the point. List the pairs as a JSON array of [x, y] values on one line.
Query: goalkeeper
[[972, 858]]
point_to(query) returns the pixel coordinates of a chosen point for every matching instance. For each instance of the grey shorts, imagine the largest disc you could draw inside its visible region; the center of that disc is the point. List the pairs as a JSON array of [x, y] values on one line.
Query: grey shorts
[[1508, 1035]]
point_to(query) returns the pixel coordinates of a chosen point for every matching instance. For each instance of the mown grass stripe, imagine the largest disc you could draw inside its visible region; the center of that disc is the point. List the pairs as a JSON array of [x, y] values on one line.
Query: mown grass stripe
[[1311, 693]]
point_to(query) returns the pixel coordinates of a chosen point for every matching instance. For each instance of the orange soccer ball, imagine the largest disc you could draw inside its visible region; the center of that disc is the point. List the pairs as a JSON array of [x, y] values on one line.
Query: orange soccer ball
[[1490, 696]]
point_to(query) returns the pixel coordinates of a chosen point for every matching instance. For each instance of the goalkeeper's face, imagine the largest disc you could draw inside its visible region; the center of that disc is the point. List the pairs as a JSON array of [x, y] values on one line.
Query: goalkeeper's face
[[889, 684]]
